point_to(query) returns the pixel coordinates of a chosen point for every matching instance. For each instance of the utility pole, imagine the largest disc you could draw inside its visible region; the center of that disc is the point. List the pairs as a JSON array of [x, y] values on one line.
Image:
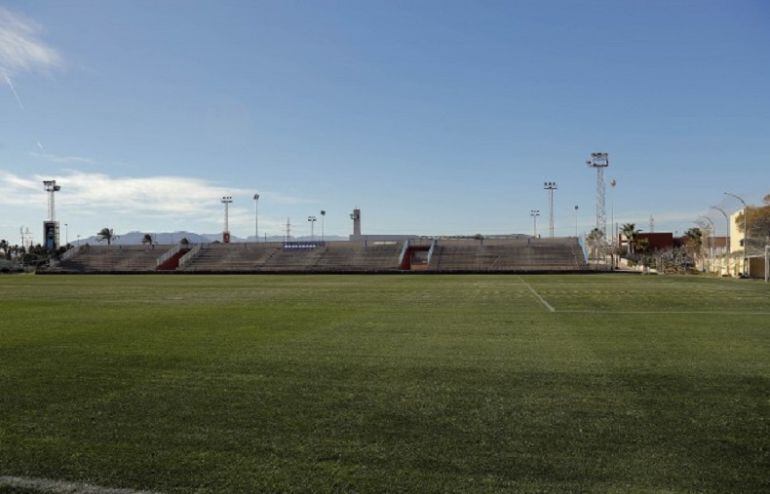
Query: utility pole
[[550, 187]]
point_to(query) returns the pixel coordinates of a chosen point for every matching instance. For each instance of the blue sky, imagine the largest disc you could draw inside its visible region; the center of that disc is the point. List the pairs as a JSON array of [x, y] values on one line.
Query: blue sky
[[433, 117]]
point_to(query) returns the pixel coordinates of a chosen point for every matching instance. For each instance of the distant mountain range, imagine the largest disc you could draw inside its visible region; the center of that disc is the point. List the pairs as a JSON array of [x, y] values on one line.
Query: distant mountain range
[[168, 238]]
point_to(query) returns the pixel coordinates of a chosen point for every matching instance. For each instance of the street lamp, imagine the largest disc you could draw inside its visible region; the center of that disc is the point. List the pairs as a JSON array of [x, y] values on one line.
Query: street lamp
[[746, 266], [66, 234], [323, 218], [534, 213], [312, 220], [256, 217]]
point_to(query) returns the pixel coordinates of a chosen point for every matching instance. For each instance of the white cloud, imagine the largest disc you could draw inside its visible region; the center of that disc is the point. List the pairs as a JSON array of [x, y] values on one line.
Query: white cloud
[[21, 49], [138, 201]]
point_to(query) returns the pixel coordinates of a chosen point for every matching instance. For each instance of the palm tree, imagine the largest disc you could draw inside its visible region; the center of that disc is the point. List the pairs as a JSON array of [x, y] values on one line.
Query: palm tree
[[631, 233], [105, 234], [595, 239]]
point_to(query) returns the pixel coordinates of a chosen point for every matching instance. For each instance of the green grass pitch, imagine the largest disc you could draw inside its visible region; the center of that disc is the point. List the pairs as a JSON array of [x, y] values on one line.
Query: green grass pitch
[[387, 383]]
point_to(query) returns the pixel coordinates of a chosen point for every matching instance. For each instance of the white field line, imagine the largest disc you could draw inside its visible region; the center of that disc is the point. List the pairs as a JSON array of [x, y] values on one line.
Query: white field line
[[62, 487], [662, 312], [540, 298]]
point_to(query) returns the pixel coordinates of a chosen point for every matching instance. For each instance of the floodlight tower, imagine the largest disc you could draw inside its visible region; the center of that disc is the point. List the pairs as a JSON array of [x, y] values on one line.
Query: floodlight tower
[[226, 200], [323, 218], [312, 220], [51, 226], [600, 161], [550, 187], [534, 213], [256, 217], [613, 225]]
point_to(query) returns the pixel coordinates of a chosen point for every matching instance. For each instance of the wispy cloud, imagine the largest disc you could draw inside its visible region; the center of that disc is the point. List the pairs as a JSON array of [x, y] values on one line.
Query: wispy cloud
[[13, 90], [63, 159], [21, 49]]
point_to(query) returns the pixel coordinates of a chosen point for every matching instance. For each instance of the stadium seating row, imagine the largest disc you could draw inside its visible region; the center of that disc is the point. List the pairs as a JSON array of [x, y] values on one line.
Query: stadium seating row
[[463, 255]]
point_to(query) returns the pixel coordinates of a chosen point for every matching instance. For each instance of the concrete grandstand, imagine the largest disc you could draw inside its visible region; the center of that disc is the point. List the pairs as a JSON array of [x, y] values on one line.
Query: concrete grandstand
[[428, 255]]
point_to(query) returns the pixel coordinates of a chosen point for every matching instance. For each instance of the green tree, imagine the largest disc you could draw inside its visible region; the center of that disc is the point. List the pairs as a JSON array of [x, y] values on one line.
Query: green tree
[[758, 223], [693, 242]]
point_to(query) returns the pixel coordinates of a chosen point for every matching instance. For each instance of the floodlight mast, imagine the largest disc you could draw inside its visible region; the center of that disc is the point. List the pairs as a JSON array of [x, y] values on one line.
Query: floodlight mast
[[534, 213], [600, 161], [51, 188], [51, 226], [312, 220], [226, 200], [550, 187], [323, 220], [256, 217], [577, 207]]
